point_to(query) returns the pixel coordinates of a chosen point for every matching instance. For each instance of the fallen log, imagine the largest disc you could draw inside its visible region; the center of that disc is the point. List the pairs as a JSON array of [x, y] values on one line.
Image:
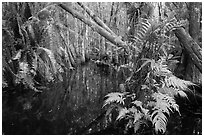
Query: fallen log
[[116, 40], [96, 19]]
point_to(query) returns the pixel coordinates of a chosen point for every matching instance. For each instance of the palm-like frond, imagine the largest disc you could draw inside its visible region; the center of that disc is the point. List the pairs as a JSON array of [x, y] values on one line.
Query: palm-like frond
[[159, 121], [164, 105], [177, 83], [115, 97], [165, 102], [143, 29]]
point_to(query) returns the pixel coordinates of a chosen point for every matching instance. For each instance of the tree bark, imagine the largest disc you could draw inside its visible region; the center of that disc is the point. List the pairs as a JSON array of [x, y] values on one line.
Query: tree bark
[[191, 46], [192, 72], [194, 20], [113, 39]]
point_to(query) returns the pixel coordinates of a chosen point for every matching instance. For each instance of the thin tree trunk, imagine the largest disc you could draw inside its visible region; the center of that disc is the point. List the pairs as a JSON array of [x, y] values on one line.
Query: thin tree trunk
[[76, 36]]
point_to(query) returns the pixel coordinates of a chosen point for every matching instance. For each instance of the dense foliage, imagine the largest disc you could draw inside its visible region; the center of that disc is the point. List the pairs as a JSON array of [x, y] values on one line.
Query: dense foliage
[[40, 48]]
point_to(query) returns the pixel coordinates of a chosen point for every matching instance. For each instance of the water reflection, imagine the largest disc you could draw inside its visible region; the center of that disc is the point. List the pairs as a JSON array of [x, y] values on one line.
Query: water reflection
[[65, 108]]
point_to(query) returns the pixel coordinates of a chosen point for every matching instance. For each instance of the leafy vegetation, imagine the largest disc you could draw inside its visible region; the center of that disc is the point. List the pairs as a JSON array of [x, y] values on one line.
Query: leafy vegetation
[[44, 46], [155, 101]]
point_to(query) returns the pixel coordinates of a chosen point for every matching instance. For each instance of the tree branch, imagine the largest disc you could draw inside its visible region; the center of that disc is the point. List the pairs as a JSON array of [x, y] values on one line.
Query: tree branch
[[96, 19], [113, 39]]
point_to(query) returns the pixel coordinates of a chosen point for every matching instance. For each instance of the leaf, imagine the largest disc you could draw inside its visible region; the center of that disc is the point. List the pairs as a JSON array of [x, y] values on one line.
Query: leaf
[[144, 87], [182, 94], [164, 105], [159, 120], [137, 116], [122, 113], [178, 83], [115, 97], [18, 55], [145, 63], [137, 103], [169, 91]]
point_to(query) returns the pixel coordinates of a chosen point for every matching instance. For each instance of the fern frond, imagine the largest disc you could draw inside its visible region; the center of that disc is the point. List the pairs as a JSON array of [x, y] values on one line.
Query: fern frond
[[122, 113], [164, 105], [165, 101], [113, 106], [159, 121], [138, 124], [152, 62], [182, 94], [160, 68], [137, 116], [137, 103], [23, 68], [169, 91], [177, 83], [115, 97], [143, 29], [173, 24]]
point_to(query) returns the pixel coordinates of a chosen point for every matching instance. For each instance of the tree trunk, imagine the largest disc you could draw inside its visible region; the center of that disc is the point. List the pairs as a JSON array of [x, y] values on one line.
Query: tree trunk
[[192, 72], [191, 46]]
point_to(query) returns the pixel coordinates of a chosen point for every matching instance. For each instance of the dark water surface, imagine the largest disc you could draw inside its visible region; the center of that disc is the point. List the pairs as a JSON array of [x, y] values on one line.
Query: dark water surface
[[65, 108]]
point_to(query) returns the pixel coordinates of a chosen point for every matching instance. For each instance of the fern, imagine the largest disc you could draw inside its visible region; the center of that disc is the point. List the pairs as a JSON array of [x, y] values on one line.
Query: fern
[[135, 116], [177, 83], [122, 113], [173, 24], [164, 105], [115, 97], [143, 30], [137, 125], [159, 120]]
